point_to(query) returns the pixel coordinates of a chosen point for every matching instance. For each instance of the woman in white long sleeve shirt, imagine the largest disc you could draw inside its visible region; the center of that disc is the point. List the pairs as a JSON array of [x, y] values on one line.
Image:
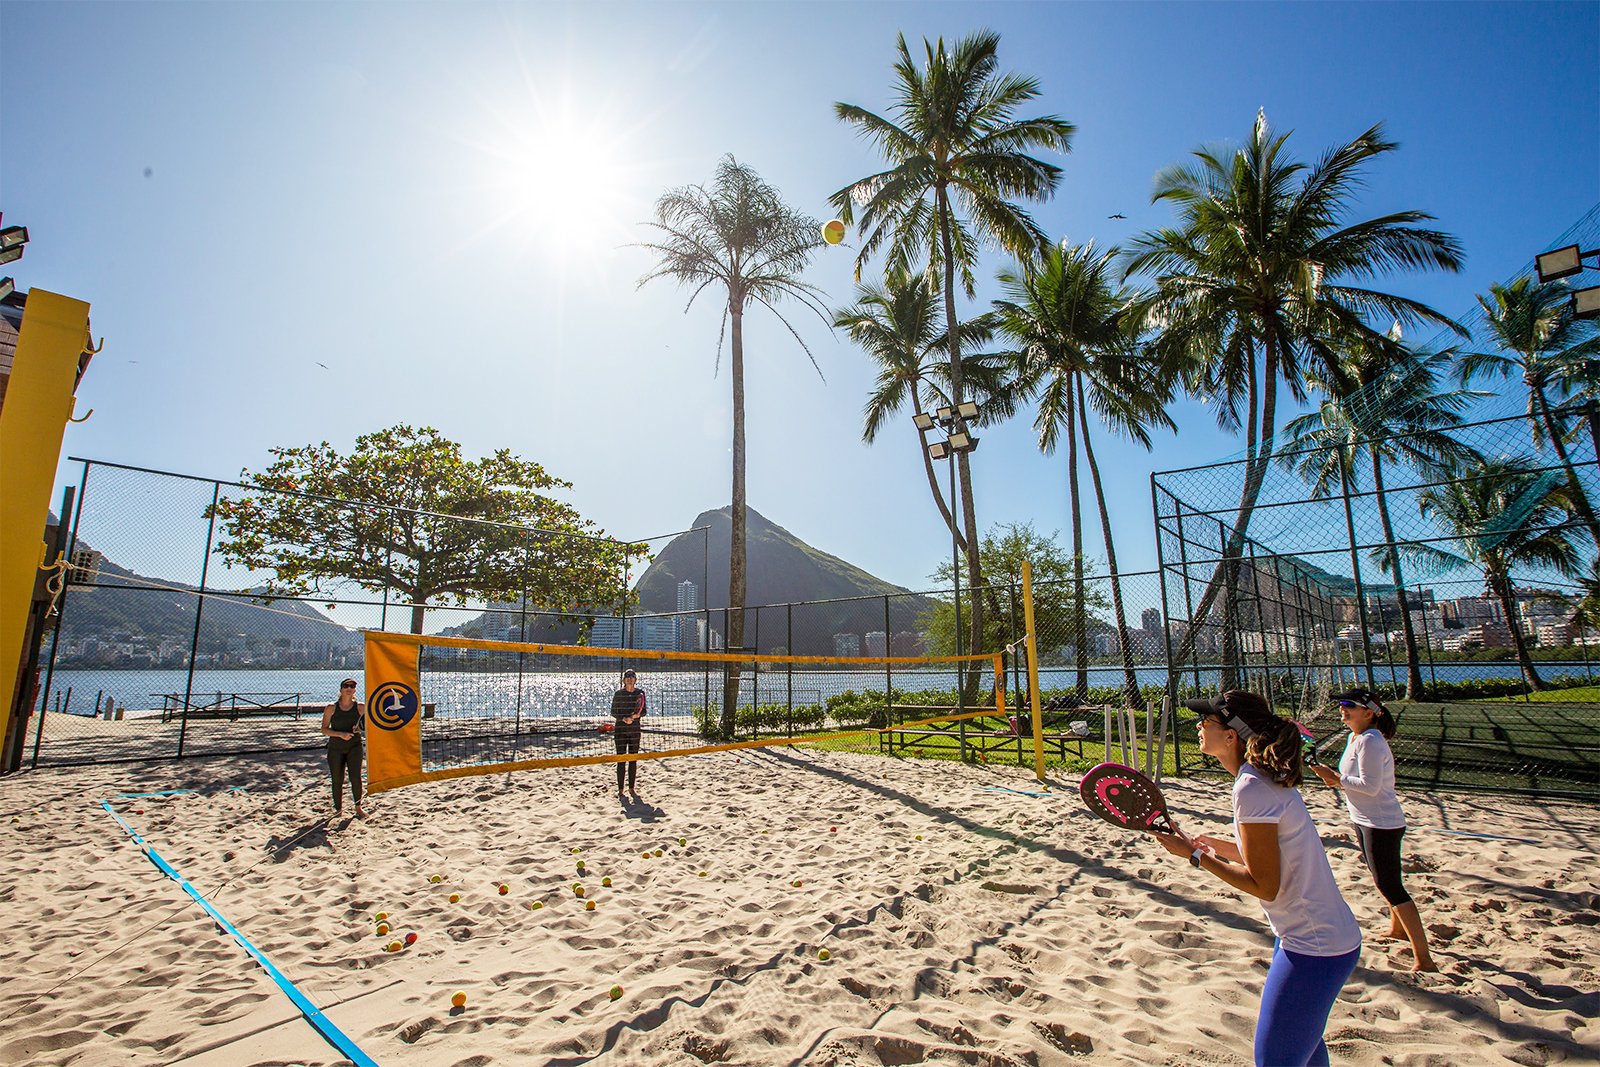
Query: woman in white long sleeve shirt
[[1366, 775]]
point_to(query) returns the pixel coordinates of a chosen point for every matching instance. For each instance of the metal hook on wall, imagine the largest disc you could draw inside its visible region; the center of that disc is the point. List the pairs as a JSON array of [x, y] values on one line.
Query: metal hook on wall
[[85, 418]]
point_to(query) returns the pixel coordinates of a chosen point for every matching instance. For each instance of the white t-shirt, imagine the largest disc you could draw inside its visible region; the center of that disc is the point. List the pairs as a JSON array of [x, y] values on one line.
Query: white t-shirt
[[1367, 774], [1308, 914]]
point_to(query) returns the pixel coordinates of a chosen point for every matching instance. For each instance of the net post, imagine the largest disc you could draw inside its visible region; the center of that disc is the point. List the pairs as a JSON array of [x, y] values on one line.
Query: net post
[[1033, 670]]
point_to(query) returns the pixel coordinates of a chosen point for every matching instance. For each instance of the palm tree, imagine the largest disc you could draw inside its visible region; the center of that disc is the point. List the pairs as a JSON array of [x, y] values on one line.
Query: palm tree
[[957, 157], [741, 238], [1068, 319], [1554, 352], [1505, 516], [1258, 282], [1385, 407], [899, 326]]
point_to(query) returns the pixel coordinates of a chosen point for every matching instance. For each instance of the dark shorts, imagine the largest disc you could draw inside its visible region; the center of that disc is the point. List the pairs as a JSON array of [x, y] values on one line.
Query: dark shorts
[[1380, 851]]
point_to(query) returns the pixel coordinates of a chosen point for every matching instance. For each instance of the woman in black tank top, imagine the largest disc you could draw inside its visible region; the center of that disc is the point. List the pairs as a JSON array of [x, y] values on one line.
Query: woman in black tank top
[[344, 725]]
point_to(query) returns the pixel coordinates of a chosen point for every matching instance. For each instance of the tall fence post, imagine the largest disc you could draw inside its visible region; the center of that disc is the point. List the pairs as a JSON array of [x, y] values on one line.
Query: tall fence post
[[199, 607], [1355, 569], [61, 607]]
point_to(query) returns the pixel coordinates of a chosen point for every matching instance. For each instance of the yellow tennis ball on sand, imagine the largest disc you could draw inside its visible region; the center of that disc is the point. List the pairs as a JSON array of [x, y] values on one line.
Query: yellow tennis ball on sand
[[436, 879], [824, 956], [606, 882], [383, 928], [382, 915], [589, 906], [459, 1000], [616, 992], [833, 231], [455, 898]]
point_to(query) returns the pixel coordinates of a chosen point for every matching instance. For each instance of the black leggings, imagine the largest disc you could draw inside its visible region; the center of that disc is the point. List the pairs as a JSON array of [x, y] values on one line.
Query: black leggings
[[1380, 851], [630, 769], [343, 755]]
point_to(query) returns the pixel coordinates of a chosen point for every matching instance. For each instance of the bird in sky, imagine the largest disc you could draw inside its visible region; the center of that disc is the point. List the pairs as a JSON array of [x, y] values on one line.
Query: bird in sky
[[1116, 216], [321, 364]]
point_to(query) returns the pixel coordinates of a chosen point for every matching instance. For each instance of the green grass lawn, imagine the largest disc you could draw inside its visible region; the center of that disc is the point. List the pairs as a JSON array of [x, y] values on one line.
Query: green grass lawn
[[1582, 694]]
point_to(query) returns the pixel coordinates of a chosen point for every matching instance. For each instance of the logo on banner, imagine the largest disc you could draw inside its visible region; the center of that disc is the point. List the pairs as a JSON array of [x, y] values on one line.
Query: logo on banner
[[392, 705]]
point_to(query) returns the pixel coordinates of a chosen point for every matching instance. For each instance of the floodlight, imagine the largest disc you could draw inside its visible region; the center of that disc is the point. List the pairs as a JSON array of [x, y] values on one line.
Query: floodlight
[[945, 413], [1586, 302], [961, 441], [939, 449], [7, 287], [12, 236], [9, 254], [1559, 263], [968, 410], [922, 420]]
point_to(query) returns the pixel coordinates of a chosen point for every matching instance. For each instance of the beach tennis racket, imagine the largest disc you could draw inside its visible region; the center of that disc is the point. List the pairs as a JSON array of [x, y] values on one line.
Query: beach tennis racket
[[1308, 742], [1123, 797]]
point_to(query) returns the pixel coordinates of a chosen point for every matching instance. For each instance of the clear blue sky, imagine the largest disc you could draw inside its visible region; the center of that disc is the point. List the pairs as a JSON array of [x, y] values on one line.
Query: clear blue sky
[[435, 202]]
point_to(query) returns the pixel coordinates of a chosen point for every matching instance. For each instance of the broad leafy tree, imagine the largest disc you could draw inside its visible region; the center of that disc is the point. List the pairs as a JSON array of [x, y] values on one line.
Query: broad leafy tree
[[1538, 339], [1265, 274], [1388, 405], [405, 511], [739, 239], [958, 158], [1067, 316], [1505, 516]]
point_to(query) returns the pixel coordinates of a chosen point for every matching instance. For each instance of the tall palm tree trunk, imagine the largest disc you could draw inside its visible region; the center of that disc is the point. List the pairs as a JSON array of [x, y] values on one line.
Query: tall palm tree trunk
[[1500, 584], [1080, 626], [969, 511], [736, 543], [1130, 680], [1580, 499], [1413, 659]]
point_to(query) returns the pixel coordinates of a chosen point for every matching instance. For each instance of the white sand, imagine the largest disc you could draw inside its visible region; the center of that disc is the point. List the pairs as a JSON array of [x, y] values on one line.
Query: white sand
[[1017, 930]]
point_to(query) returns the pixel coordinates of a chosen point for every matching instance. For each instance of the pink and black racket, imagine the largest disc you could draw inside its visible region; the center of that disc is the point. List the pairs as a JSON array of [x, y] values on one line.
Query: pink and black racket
[[1123, 797]]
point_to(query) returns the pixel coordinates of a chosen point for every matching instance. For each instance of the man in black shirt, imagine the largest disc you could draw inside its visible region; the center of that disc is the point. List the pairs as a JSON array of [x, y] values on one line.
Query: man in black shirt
[[627, 707]]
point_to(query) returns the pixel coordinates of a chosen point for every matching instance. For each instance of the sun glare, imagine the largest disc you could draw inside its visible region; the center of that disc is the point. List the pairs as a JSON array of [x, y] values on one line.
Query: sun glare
[[563, 182]]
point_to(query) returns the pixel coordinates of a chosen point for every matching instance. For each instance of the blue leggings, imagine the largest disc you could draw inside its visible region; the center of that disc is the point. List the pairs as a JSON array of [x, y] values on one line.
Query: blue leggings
[[1299, 994]]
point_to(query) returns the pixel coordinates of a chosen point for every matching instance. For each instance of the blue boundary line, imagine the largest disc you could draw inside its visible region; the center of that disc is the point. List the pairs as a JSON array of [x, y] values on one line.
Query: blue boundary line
[[313, 1014]]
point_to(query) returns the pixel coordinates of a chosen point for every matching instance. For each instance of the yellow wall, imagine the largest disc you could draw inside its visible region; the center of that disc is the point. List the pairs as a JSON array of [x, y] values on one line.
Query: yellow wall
[[55, 331]]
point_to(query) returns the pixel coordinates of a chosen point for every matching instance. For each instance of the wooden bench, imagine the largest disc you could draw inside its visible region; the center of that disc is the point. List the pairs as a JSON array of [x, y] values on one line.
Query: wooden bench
[[969, 735]]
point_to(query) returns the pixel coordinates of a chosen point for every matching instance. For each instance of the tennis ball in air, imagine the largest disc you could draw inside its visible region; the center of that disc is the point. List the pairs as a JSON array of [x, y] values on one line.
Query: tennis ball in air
[[436, 879], [504, 889], [833, 231], [411, 938], [616, 992], [824, 956], [383, 928], [589, 906], [606, 882], [455, 898], [459, 1000]]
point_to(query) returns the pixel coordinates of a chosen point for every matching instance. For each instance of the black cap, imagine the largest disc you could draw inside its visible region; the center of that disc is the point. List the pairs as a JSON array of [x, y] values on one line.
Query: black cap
[[1360, 696], [1218, 706]]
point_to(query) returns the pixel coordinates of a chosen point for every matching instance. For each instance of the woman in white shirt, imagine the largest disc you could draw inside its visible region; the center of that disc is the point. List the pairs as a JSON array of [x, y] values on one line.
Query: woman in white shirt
[[1366, 774], [1278, 858]]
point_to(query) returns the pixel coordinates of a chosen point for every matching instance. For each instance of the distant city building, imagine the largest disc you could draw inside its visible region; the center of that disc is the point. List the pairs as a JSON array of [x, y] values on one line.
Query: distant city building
[[877, 643], [688, 596], [652, 633], [1152, 620], [846, 645], [907, 643]]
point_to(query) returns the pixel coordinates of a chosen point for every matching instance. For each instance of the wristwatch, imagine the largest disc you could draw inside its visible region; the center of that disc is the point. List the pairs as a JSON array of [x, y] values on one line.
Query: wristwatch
[[1194, 857]]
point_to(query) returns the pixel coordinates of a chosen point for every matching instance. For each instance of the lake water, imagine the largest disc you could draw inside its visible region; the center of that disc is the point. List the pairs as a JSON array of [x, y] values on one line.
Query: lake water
[[585, 694]]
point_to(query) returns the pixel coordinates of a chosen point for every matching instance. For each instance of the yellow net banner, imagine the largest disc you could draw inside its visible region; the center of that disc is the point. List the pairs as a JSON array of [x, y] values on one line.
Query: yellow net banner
[[394, 711]]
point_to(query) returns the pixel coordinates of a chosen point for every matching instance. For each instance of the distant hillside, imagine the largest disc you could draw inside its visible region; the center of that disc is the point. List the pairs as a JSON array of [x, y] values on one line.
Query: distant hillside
[[781, 569]]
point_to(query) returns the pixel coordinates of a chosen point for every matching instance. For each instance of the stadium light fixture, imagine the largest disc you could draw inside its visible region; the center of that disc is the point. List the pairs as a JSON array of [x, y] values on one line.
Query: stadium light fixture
[[939, 449], [1586, 302], [13, 236], [962, 441], [7, 287], [9, 254], [922, 420], [967, 410], [1560, 263]]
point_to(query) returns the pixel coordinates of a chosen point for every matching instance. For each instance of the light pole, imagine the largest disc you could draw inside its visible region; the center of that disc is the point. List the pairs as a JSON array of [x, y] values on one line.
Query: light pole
[[1561, 263], [958, 438]]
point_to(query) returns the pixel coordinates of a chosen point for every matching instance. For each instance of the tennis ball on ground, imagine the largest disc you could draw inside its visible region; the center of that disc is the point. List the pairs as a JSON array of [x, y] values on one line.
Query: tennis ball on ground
[[504, 889], [606, 882], [436, 879], [576, 850], [536, 905], [646, 855], [589, 906], [455, 898], [833, 231], [578, 890], [616, 992], [824, 956], [797, 883], [411, 938], [459, 1000], [395, 946], [657, 852], [382, 915], [702, 874], [919, 837], [383, 928], [683, 840], [833, 829]]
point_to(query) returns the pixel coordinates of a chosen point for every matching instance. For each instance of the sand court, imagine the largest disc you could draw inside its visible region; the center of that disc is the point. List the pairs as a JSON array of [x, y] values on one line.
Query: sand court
[[965, 921]]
